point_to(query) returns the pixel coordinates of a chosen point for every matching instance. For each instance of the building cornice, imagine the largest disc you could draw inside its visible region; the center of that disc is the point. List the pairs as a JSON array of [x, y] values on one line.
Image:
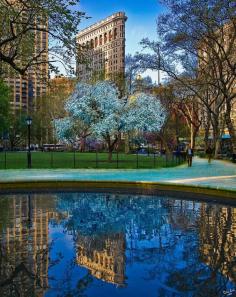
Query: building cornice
[[117, 15]]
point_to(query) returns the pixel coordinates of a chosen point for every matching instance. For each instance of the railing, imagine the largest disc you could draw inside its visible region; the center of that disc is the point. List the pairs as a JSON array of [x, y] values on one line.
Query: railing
[[53, 159]]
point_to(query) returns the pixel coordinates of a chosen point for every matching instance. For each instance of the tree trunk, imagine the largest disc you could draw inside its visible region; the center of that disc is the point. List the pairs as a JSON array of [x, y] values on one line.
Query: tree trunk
[[194, 131], [230, 127], [110, 155], [216, 140], [206, 136], [82, 145], [207, 123], [110, 145], [127, 148], [216, 134], [165, 144]]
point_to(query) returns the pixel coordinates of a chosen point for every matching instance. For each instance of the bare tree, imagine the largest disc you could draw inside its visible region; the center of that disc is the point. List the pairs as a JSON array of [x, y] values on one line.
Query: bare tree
[[21, 23], [197, 40]]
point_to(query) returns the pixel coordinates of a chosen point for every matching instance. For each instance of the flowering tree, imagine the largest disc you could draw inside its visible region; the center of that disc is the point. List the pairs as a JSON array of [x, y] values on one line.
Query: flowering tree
[[144, 113], [100, 111]]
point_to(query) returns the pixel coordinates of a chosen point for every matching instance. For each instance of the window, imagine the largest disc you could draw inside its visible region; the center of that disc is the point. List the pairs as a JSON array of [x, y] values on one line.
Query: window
[[110, 36], [96, 42], [115, 33], [100, 40]]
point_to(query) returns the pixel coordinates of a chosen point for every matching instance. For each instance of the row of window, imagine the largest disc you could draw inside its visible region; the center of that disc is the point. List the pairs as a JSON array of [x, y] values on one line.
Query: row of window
[[101, 40], [102, 29]]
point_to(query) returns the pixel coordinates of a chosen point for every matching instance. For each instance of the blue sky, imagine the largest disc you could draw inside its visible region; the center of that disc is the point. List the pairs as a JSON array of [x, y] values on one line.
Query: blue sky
[[141, 14], [141, 23]]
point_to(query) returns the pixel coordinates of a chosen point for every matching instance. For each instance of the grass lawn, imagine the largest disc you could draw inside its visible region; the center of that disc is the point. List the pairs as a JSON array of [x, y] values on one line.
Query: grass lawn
[[18, 160]]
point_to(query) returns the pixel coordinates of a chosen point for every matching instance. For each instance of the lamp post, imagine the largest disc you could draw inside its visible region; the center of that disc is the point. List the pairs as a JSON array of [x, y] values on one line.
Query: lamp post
[[29, 122]]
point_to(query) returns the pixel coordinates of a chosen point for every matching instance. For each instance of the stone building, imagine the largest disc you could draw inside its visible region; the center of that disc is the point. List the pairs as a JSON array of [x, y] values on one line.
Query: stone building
[[104, 256], [101, 50], [216, 60]]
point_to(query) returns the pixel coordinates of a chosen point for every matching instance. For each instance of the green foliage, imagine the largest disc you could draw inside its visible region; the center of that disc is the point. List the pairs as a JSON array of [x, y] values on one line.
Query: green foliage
[[17, 129], [4, 106]]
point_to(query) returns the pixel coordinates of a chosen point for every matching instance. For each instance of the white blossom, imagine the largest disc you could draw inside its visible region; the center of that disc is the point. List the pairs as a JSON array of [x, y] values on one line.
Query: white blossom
[[145, 113], [99, 109]]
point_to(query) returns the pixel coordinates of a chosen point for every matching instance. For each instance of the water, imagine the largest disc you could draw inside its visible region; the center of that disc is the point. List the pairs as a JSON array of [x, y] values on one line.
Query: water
[[102, 245]]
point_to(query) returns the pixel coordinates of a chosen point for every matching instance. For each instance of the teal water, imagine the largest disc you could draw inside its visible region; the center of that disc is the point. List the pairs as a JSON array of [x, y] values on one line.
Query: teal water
[[95, 244]]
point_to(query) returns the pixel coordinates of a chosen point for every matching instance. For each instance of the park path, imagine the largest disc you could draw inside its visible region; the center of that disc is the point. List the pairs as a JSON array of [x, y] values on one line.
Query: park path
[[219, 174]]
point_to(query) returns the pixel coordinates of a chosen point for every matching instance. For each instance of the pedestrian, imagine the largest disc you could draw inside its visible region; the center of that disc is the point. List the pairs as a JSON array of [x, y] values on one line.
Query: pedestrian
[[189, 154], [209, 153]]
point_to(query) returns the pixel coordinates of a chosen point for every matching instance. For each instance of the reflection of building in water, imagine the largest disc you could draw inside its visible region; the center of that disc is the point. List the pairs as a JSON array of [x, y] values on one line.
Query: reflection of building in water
[[25, 240], [104, 256], [218, 239]]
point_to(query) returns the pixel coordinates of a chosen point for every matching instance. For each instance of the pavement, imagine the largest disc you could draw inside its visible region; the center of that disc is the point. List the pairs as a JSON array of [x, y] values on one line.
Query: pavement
[[217, 175]]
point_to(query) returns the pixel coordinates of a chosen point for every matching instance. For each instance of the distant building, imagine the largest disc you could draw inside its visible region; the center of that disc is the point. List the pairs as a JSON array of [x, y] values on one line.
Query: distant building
[[61, 82], [143, 85], [27, 88], [102, 46], [221, 45]]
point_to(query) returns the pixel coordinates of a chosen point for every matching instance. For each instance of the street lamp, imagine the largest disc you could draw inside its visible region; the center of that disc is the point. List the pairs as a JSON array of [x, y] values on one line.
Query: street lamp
[[29, 122]]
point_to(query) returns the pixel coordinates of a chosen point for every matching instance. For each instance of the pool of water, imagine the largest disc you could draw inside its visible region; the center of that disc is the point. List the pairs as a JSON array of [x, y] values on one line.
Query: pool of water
[[95, 244]]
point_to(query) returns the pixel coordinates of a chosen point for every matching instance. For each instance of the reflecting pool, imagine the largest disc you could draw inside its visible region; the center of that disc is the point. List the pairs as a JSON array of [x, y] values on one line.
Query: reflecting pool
[[102, 245]]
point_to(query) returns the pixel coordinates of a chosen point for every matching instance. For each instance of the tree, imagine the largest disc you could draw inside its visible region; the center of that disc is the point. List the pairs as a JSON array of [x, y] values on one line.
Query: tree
[[98, 109], [4, 107], [95, 108], [51, 106], [184, 103], [131, 70], [21, 22], [197, 39], [17, 129]]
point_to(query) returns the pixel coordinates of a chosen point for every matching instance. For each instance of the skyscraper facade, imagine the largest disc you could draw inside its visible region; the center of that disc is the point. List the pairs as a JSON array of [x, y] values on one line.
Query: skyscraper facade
[[33, 45], [101, 50]]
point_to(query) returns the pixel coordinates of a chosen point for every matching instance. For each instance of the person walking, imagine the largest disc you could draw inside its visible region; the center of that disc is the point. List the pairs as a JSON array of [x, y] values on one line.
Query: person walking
[[209, 153], [189, 154]]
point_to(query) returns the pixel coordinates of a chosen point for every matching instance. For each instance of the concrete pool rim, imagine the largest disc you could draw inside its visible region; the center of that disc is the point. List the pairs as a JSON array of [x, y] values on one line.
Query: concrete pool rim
[[141, 186]]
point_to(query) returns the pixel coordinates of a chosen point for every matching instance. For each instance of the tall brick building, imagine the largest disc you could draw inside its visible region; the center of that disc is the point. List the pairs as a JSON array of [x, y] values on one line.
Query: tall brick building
[[33, 84], [102, 46], [26, 89]]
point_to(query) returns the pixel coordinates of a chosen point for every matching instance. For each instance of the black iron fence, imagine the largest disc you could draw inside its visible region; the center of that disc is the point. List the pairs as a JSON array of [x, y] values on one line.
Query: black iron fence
[[18, 160]]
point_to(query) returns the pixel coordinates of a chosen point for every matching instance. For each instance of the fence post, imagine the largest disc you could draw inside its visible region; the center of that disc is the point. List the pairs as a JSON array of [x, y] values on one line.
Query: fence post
[[137, 159], [74, 159], [96, 159], [51, 159], [117, 159], [5, 159]]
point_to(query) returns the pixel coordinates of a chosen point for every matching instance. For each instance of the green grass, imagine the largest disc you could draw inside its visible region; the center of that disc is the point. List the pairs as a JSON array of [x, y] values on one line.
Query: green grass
[[18, 160]]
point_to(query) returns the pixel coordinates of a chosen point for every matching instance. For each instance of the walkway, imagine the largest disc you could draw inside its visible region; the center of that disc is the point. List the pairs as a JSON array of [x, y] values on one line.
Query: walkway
[[218, 175]]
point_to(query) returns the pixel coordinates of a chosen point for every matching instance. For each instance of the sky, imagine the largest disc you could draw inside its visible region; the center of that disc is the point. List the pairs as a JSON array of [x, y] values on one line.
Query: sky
[[141, 23]]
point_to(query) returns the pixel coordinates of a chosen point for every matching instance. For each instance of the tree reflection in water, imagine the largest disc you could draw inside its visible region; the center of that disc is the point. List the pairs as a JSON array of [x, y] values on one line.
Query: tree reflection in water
[[86, 244]]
